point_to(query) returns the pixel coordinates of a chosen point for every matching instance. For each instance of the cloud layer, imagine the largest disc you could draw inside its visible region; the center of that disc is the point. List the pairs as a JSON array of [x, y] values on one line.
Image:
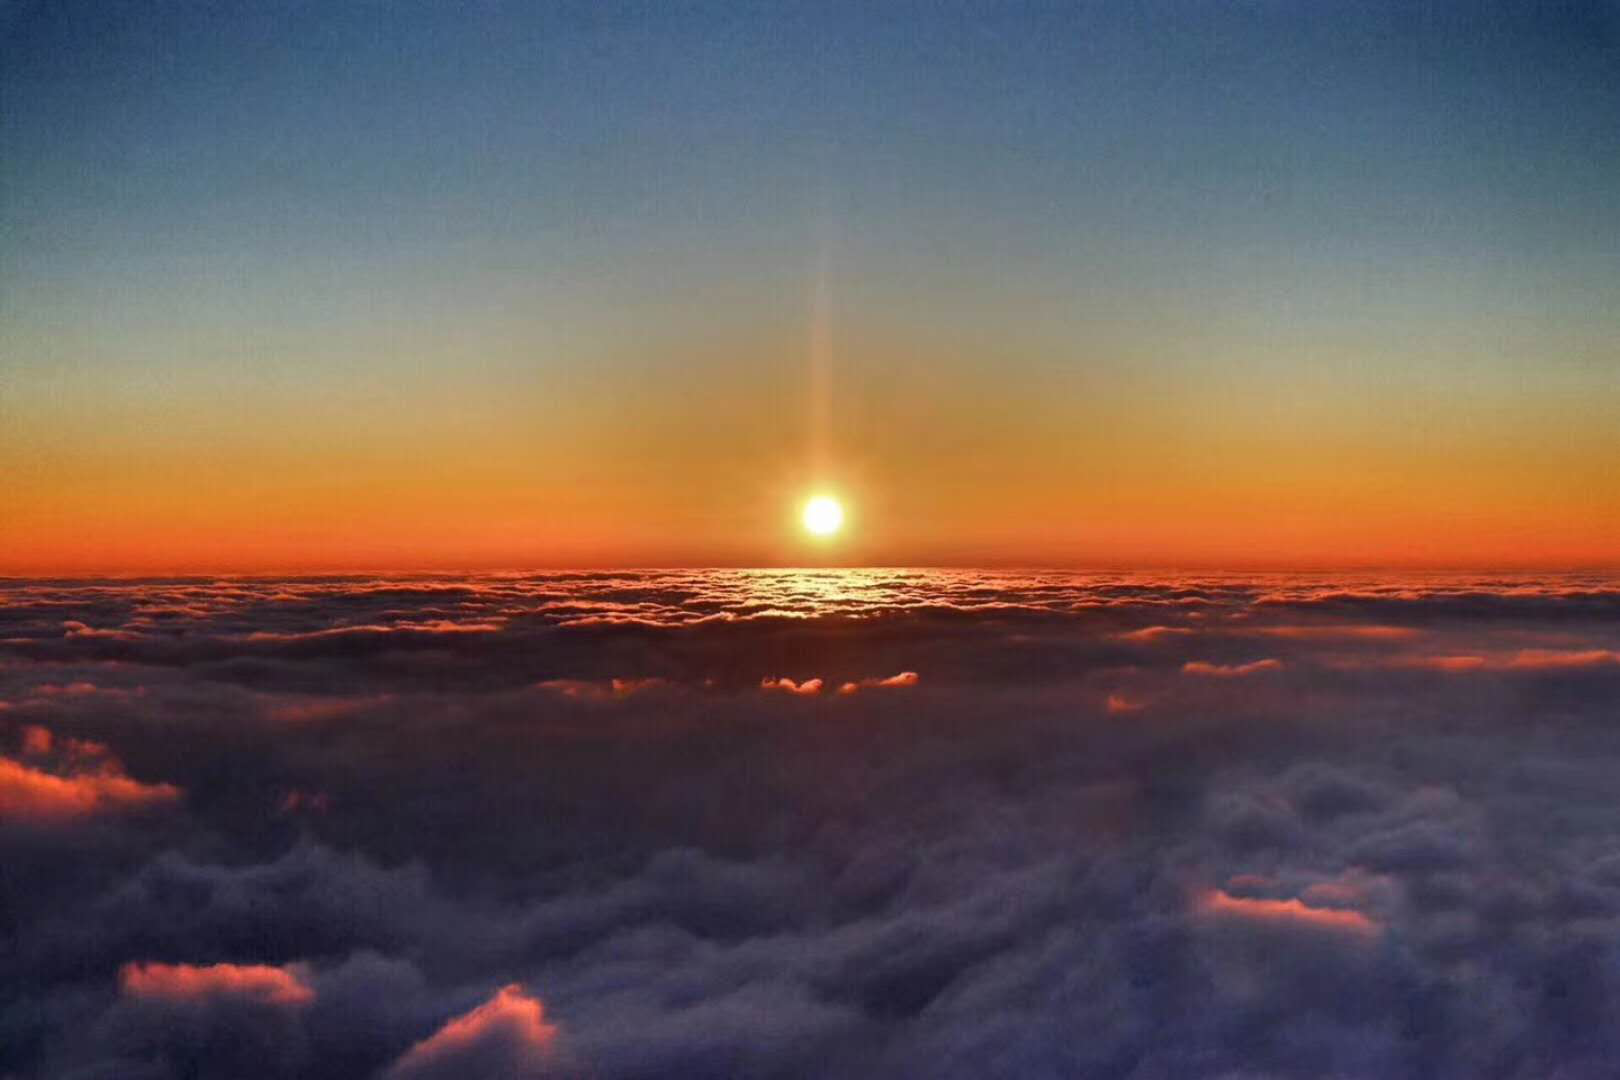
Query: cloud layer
[[810, 824]]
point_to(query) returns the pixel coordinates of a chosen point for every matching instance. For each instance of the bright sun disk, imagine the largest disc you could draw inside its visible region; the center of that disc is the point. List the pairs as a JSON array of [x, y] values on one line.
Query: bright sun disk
[[823, 516]]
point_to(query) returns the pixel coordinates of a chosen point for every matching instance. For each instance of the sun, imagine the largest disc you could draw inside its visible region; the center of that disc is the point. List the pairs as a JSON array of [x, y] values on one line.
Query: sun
[[823, 515]]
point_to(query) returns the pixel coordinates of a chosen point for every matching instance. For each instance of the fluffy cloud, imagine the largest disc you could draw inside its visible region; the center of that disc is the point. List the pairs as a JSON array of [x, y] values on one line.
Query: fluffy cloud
[[1120, 826], [806, 688], [506, 1036], [1218, 904], [190, 983], [54, 781], [1155, 633], [892, 682]]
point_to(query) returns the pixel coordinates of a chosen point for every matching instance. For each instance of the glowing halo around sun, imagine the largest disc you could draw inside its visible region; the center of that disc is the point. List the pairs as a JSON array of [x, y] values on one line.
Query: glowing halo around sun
[[823, 516]]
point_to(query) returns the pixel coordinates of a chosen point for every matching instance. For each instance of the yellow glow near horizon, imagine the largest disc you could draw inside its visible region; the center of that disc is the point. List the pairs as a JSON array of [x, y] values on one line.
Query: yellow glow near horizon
[[823, 516]]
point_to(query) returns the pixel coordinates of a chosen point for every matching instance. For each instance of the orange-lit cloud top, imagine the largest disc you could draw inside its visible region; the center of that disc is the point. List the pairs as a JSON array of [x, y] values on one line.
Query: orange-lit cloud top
[[61, 780], [1120, 705], [510, 1028], [1230, 671], [1527, 661], [1155, 633], [806, 688], [1219, 904], [1346, 633], [1553, 659], [848, 688], [893, 682], [189, 984], [1438, 663], [36, 740]]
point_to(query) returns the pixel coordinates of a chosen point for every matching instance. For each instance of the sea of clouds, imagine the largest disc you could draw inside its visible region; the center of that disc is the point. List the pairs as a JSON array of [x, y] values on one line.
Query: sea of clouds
[[785, 824]]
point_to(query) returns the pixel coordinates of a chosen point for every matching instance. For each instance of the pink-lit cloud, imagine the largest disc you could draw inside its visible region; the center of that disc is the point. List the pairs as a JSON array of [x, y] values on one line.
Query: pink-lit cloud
[[434, 626], [1230, 671], [36, 741], [1557, 659], [1220, 904], [1443, 663], [1155, 633], [188, 983], [73, 689], [508, 1034], [1350, 632], [807, 688], [87, 782], [73, 629], [904, 679], [1524, 660]]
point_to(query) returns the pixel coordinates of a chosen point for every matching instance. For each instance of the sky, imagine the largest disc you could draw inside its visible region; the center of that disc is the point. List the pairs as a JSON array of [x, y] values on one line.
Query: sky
[[356, 286]]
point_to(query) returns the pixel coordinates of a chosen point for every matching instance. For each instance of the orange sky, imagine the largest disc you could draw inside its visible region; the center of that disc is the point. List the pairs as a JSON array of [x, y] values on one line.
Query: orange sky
[[938, 457]]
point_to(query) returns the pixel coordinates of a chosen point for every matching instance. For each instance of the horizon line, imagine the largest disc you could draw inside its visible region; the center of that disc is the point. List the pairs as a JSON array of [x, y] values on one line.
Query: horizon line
[[127, 574]]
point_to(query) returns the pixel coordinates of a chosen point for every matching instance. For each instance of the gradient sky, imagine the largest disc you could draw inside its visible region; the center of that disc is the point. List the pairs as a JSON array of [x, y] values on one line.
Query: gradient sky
[[342, 286]]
